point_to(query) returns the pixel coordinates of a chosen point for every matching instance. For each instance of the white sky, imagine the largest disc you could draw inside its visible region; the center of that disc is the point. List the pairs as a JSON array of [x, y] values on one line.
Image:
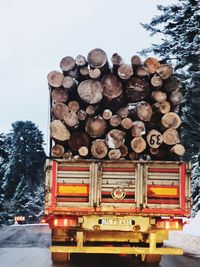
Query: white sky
[[36, 34]]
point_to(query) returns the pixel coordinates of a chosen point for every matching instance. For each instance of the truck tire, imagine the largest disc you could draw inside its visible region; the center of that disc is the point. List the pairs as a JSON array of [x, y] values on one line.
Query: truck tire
[[60, 258], [152, 259]]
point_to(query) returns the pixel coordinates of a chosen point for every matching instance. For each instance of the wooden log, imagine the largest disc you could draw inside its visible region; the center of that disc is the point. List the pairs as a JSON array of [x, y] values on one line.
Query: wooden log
[[124, 150], [99, 149], [138, 144], [141, 72], [95, 127], [156, 82], [94, 73], [83, 74], [83, 151], [97, 58], [59, 95], [165, 71], [71, 119], [172, 84], [171, 137], [80, 61], [136, 61], [55, 78], [152, 64], [113, 104], [178, 149], [82, 115], [127, 123], [90, 91], [137, 89], [144, 111], [67, 155], [112, 87], [171, 120], [107, 114], [138, 129], [125, 71], [67, 64], [68, 83], [115, 138], [58, 131], [114, 154], [57, 151], [159, 96], [154, 151], [115, 120], [162, 108], [77, 140], [73, 106], [72, 73], [116, 60], [59, 110], [90, 110], [133, 155], [176, 98], [154, 139], [123, 112]]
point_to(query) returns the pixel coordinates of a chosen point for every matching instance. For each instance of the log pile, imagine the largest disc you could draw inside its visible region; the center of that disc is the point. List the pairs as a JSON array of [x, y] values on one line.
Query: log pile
[[116, 111]]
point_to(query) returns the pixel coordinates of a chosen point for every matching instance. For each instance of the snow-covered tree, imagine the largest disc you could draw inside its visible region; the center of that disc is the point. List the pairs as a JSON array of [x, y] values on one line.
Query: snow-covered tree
[[178, 26], [24, 170]]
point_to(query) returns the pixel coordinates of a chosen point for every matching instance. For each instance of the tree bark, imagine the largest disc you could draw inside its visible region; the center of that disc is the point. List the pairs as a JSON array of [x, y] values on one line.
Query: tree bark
[[115, 138], [165, 71], [78, 140], [90, 91], [172, 84], [124, 150], [57, 151], [67, 64], [114, 154], [135, 61], [142, 72], [154, 139], [95, 127], [171, 120], [99, 149], [137, 89], [59, 131], [115, 120], [171, 137], [138, 129], [125, 71], [159, 96], [144, 111], [138, 144], [152, 64], [59, 110], [97, 58], [133, 155], [55, 78], [112, 87]]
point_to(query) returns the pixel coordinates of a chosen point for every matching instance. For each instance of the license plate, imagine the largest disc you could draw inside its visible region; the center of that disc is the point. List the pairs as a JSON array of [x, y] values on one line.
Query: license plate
[[116, 221]]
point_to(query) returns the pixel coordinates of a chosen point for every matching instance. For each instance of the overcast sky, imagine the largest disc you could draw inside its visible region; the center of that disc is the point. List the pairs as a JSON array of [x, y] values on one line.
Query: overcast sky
[[37, 34]]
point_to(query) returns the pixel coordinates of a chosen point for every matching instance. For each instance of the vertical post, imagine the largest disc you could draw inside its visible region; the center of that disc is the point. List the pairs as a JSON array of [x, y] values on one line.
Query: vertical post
[[152, 242], [79, 239]]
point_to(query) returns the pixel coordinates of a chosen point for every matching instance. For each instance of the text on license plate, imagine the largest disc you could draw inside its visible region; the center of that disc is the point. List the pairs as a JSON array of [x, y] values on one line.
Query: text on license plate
[[116, 221]]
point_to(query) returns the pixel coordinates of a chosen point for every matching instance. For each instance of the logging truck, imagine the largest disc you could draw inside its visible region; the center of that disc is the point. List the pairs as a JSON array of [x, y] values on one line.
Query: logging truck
[[115, 207], [115, 182]]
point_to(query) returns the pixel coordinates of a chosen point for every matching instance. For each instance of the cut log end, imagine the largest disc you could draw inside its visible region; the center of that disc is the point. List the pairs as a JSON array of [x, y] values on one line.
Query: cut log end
[[107, 114], [178, 149], [125, 71], [59, 131], [83, 151], [57, 151], [171, 137], [99, 149], [95, 127], [138, 129], [55, 78], [67, 64], [97, 58], [90, 91], [138, 144], [114, 154], [171, 120]]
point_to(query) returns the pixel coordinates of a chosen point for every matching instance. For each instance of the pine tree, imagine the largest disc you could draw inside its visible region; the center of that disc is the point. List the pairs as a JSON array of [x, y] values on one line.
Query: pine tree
[[24, 170], [178, 25]]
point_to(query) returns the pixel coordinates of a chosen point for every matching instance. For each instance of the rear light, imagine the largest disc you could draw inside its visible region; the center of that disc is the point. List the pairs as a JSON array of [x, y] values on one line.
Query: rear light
[[64, 222], [170, 224]]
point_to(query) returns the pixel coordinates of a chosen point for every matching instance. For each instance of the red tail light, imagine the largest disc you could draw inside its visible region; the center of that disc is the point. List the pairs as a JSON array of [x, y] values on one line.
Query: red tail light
[[170, 224], [64, 222]]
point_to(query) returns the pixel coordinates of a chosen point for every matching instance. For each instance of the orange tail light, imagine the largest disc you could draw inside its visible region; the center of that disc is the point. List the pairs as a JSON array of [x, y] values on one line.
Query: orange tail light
[[170, 224]]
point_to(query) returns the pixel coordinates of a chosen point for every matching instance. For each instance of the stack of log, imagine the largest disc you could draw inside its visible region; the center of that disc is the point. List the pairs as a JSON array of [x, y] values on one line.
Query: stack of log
[[116, 111]]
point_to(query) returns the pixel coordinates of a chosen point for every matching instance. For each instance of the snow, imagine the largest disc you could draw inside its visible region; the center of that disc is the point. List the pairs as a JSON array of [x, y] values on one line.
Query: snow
[[189, 238]]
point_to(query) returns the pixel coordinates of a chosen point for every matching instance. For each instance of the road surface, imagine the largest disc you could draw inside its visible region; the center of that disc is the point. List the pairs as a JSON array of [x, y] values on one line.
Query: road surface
[[26, 246]]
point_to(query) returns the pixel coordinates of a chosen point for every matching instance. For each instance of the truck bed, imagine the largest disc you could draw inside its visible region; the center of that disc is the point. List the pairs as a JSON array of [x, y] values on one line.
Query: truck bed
[[118, 187]]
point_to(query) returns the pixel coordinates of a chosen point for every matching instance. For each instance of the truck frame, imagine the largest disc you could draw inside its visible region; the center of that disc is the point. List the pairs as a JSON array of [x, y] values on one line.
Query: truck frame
[[115, 207]]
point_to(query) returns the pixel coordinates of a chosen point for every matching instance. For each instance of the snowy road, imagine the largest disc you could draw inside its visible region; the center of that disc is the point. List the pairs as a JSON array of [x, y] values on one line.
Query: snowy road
[[27, 246]]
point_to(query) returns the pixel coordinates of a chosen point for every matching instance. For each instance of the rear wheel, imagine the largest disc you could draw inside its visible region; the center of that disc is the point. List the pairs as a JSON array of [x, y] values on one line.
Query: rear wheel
[[152, 259], [59, 257]]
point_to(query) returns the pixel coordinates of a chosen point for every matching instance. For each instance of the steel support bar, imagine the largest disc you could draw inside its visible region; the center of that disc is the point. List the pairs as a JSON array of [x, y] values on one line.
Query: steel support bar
[[117, 250]]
